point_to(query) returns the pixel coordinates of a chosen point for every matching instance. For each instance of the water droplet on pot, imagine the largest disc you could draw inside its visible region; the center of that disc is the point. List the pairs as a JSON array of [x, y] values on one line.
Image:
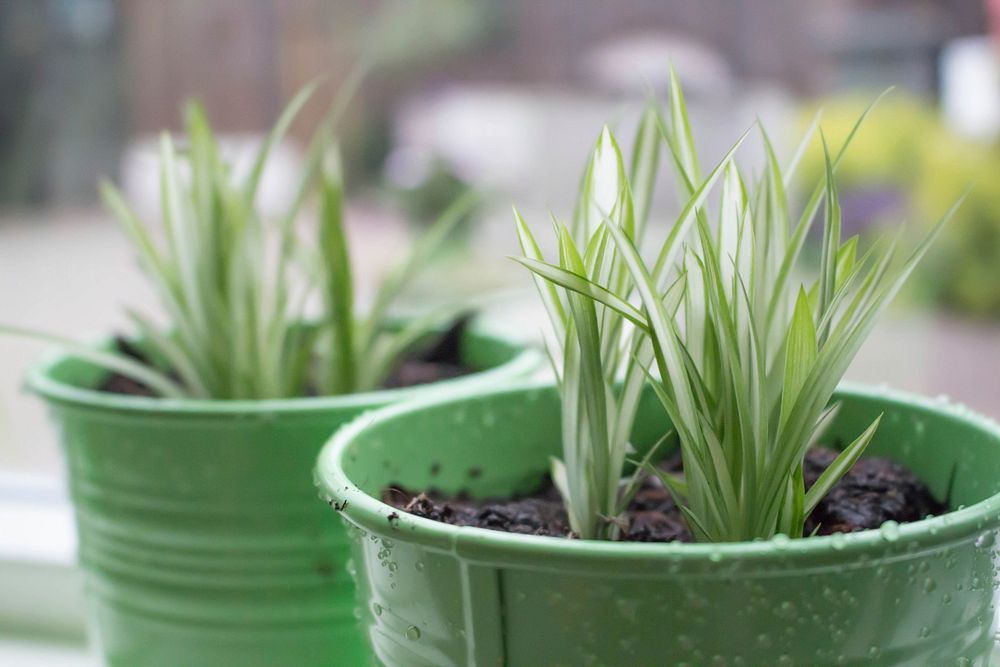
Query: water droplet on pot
[[929, 585], [413, 633], [785, 661], [764, 640], [628, 609], [787, 610], [377, 608], [419, 566], [780, 541], [925, 632], [890, 531], [838, 541]]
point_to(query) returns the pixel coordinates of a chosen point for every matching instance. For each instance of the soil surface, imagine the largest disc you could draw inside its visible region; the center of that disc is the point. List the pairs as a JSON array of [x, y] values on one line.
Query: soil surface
[[442, 360], [116, 383], [874, 491]]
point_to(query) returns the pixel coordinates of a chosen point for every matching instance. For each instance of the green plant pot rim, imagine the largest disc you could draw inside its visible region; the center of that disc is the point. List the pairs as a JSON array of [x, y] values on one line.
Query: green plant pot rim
[[40, 380], [369, 512]]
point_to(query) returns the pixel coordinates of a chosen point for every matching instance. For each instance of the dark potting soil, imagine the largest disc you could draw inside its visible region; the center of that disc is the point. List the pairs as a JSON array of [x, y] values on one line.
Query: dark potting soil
[[116, 383], [874, 491], [441, 361]]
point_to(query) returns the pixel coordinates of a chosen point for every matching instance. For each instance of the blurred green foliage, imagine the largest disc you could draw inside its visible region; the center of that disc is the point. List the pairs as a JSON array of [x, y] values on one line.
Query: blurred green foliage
[[905, 147], [411, 45], [425, 200], [406, 34]]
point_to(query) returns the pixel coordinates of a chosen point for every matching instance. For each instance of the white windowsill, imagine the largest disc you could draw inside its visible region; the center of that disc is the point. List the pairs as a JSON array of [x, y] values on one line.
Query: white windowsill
[[36, 520], [42, 619]]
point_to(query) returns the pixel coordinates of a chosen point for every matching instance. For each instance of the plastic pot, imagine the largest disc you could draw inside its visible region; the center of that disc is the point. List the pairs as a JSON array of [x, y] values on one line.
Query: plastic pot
[[201, 539], [437, 595]]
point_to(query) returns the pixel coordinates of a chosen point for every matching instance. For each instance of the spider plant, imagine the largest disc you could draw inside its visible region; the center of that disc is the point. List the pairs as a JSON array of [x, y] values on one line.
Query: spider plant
[[235, 287], [743, 356], [359, 351], [589, 344]]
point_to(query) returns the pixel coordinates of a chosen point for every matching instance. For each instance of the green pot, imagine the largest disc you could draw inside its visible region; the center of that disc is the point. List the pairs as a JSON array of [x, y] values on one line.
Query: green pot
[[201, 539], [437, 595]]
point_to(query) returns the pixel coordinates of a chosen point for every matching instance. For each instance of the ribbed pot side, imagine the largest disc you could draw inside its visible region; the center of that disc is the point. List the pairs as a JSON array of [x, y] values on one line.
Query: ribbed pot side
[[438, 595], [201, 538]]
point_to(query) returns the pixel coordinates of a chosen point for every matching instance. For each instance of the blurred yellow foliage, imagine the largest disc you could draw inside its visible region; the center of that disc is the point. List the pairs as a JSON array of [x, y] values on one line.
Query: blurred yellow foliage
[[905, 146]]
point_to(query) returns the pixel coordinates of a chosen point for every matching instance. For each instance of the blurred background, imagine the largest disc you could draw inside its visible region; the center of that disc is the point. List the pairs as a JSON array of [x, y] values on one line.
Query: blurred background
[[509, 95]]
